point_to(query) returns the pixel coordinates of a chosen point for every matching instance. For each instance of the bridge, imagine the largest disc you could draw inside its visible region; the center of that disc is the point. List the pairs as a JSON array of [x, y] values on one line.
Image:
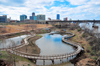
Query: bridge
[[76, 21], [46, 57]]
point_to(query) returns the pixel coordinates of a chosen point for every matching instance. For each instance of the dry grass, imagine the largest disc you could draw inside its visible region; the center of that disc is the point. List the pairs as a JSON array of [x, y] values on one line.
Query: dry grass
[[79, 39], [23, 63], [32, 48], [18, 28]]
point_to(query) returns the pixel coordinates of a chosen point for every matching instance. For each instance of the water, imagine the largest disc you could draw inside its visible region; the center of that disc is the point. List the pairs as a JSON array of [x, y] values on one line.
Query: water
[[52, 45], [89, 26], [15, 41]]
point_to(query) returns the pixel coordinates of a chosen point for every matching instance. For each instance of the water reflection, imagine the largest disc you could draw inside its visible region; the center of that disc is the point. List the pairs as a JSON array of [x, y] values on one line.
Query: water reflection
[[89, 26], [52, 45], [12, 41]]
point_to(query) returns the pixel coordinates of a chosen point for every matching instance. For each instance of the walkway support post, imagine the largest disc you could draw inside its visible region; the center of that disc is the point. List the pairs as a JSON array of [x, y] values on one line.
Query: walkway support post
[[43, 62], [61, 60], [52, 61], [34, 61]]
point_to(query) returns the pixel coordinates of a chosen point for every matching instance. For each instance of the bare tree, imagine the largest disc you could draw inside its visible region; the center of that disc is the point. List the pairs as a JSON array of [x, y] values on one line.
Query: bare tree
[[3, 29], [33, 26], [10, 29], [26, 27], [13, 49]]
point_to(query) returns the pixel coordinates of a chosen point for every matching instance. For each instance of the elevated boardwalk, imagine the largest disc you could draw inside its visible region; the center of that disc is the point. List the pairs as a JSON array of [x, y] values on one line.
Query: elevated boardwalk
[[47, 57], [43, 57]]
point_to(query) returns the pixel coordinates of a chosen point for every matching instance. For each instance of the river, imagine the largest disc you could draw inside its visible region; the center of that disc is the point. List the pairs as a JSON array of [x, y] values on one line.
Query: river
[[89, 26], [15, 41], [52, 45]]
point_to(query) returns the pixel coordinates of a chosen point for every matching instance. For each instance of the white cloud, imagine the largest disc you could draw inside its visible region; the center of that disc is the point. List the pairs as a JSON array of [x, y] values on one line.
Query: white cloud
[[77, 2], [85, 9], [3, 0]]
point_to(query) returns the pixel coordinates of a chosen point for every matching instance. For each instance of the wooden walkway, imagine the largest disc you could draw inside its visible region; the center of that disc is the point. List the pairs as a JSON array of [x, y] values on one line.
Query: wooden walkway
[[47, 57]]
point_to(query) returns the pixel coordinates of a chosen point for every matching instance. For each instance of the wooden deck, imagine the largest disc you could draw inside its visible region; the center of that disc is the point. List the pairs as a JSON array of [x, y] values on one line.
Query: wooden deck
[[47, 57]]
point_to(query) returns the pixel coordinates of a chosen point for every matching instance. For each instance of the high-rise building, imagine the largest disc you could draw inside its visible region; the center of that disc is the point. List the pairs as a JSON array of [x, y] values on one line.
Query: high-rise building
[[3, 18], [23, 17], [33, 17], [65, 19], [58, 16], [33, 14], [40, 17]]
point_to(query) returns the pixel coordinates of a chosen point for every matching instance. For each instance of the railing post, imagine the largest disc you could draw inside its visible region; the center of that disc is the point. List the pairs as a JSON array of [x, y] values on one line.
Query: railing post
[[67, 58], [43, 62], [52, 61]]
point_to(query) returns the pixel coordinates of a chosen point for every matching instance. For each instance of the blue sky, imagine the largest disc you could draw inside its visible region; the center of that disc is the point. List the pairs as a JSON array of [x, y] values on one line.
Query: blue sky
[[73, 9]]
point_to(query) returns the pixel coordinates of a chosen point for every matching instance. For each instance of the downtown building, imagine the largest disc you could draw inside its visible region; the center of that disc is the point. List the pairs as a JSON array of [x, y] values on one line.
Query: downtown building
[[33, 17], [37, 18], [58, 16], [40, 17], [3, 18], [23, 17]]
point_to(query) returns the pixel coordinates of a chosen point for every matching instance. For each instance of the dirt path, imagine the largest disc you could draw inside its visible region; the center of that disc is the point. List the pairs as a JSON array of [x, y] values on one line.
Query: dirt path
[[32, 48], [24, 63]]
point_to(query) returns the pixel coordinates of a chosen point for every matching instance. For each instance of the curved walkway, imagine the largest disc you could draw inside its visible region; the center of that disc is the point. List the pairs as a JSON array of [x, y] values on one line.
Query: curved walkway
[[46, 57]]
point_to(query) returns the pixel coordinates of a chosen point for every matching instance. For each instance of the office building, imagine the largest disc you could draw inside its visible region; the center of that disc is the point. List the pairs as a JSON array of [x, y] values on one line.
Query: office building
[[33, 17], [58, 16], [3, 18], [33, 14], [65, 19], [40, 17], [23, 17]]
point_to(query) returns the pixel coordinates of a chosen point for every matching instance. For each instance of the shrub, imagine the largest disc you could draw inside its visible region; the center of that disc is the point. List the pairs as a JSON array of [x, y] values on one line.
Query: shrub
[[83, 35], [95, 58], [79, 30], [29, 65], [43, 31]]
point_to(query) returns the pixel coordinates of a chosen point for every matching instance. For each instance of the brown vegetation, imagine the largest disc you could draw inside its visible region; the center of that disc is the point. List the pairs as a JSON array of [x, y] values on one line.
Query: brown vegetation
[[24, 27], [32, 48]]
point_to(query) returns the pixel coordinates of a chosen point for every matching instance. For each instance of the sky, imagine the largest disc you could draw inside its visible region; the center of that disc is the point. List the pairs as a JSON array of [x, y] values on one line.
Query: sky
[[72, 9]]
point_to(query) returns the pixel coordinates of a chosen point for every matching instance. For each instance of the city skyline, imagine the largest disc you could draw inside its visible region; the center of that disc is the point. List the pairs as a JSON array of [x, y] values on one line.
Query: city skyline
[[74, 9]]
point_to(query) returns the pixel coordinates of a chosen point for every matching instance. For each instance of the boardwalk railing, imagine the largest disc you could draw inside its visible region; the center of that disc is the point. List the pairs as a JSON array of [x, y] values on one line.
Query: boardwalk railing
[[47, 57]]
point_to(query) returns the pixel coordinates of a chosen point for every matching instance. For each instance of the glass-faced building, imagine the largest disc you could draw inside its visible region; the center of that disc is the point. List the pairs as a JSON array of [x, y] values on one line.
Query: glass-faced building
[[58, 16], [33, 17], [40, 17], [33, 14], [23, 17], [3, 18]]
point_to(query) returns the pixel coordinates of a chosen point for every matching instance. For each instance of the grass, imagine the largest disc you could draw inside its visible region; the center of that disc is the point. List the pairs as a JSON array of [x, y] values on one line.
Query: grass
[[19, 58], [83, 35], [94, 57], [38, 35], [79, 38], [44, 31], [79, 30], [12, 23], [17, 33], [82, 45], [5, 56]]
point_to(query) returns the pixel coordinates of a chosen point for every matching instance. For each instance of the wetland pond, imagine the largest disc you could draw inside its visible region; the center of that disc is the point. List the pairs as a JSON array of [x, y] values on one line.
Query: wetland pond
[[53, 45]]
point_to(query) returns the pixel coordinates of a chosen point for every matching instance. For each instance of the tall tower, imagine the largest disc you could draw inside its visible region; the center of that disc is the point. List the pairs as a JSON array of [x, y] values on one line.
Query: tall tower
[[58, 16], [33, 14]]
